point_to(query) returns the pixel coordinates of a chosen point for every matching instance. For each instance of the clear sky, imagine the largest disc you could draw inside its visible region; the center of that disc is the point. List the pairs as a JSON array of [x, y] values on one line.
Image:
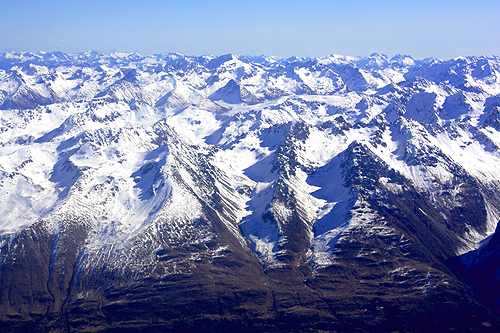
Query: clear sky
[[422, 28]]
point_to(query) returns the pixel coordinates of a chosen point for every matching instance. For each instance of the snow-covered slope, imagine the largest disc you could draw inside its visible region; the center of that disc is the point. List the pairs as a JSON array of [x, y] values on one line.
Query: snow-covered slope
[[130, 168]]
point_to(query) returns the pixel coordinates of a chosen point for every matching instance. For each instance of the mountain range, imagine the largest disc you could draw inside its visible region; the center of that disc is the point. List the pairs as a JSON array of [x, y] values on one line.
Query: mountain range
[[248, 193]]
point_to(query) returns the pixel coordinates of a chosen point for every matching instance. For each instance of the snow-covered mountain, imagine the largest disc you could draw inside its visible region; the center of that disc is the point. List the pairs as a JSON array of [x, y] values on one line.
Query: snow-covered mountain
[[232, 192]]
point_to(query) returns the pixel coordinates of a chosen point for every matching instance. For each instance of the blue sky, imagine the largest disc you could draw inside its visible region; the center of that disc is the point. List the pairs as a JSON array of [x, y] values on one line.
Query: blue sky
[[283, 28]]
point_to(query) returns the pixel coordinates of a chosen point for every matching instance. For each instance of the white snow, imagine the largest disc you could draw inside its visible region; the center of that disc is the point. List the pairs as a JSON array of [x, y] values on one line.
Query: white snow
[[122, 153]]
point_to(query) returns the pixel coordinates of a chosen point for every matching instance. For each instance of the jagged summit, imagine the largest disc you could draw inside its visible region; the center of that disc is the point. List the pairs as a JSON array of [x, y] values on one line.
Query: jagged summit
[[244, 193]]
